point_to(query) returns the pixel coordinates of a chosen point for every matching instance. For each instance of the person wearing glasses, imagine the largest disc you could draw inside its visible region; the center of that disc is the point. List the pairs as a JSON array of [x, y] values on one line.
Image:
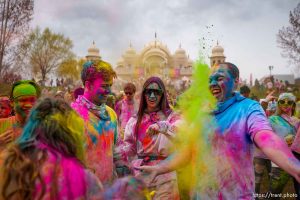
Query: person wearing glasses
[[285, 125], [100, 120], [126, 108], [148, 137], [24, 95]]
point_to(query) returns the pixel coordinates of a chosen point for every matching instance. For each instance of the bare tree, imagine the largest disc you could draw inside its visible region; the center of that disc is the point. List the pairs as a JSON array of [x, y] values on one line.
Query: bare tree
[[15, 16], [44, 52], [288, 38]]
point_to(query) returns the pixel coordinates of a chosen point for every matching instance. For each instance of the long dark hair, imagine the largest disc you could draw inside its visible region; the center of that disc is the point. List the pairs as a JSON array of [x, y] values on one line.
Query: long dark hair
[[163, 104], [52, 123]]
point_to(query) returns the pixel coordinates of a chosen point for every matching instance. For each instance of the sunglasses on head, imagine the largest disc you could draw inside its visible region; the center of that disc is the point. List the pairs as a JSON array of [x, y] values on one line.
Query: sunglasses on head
[[282, 102], [156, 92]]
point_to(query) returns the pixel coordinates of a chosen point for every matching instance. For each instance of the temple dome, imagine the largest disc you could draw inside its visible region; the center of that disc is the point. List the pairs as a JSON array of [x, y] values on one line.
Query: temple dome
[[217, 51], [155, 51], [93, 52], [180, 51], [156, 46], [130, 51], [217, 55]]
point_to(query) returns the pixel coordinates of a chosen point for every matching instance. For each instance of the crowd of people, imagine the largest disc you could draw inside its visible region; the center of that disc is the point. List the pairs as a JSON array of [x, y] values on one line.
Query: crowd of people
[[90, 143]]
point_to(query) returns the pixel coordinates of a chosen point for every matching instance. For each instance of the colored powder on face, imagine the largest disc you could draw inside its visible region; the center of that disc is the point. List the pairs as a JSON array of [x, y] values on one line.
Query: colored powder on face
[[226, 84], [154, 86], [195, 130]]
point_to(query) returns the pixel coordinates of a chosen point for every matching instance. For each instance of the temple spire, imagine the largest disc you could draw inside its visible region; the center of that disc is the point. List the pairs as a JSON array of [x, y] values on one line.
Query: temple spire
[[155, 37]]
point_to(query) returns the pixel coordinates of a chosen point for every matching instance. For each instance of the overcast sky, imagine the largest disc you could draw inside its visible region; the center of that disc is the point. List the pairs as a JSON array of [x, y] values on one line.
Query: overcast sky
[[245, 28]]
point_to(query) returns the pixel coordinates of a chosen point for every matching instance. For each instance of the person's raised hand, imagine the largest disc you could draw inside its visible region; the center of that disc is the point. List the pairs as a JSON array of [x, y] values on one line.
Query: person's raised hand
[[6, 137], [153, 129], [270, 96]]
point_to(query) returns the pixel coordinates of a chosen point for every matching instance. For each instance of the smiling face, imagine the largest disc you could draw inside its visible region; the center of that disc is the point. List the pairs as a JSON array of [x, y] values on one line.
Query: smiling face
[[97, 91], [153, 95], [285, 106], [222, 83], [23, 105]]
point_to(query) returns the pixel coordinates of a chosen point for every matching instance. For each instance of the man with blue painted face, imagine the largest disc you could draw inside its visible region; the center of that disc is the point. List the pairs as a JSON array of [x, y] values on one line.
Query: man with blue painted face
[[100, 119], [241, 124]]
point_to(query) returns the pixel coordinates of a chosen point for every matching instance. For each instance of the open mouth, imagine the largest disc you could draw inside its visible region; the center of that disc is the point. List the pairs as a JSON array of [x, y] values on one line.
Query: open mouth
[[215, 91], [152, 100]]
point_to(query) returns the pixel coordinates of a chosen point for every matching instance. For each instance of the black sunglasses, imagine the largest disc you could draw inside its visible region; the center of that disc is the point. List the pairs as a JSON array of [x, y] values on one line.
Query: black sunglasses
[[156, 92], [282, 102]]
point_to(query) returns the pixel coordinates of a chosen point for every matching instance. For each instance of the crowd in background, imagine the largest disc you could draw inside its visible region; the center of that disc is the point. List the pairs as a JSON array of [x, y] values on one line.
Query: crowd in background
[[121, 129]]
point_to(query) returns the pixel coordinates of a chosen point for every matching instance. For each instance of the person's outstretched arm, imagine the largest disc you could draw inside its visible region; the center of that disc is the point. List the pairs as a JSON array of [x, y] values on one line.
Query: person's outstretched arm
[[173, 162], [278, 152]]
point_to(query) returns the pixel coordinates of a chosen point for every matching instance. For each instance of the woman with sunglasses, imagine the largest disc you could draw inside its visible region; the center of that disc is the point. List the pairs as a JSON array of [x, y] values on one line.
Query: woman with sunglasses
[[285, 125], [148, 137]]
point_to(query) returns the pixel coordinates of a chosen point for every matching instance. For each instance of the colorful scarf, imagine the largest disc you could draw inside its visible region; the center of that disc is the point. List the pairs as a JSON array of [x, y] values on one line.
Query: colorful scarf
[[99, 111]]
